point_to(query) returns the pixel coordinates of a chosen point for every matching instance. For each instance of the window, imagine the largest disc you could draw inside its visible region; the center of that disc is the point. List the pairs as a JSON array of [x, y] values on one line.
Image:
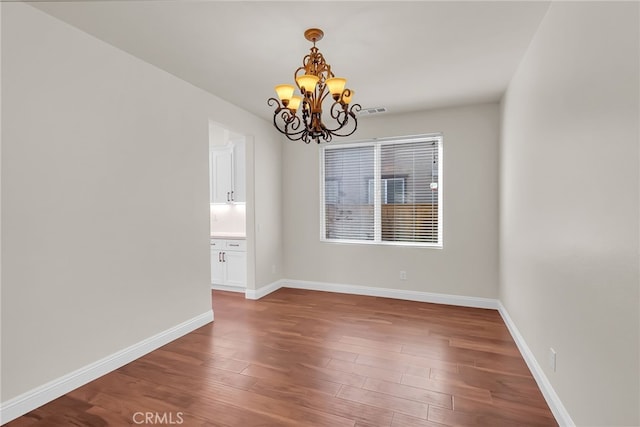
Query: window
[[383, 191], [391, 190]]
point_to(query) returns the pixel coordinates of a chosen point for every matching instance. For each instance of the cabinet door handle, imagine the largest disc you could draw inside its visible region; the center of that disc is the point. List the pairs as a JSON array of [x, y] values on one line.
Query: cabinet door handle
[[235, 245], [228, 197], [219, 256], [223, 254], [232, 198]]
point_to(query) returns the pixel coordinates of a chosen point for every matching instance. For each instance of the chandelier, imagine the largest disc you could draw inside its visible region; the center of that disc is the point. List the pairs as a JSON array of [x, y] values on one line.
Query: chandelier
[[300, 117]]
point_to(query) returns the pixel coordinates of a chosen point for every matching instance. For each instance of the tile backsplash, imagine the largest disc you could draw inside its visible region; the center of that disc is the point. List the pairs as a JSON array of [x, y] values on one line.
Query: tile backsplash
[[229, 219]]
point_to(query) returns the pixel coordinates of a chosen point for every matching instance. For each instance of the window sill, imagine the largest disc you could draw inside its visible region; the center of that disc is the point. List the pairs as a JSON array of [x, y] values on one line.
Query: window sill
[[386, 243]]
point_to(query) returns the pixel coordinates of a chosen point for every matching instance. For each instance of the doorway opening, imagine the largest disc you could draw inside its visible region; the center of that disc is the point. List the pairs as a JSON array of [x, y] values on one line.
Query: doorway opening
[[228, 197]]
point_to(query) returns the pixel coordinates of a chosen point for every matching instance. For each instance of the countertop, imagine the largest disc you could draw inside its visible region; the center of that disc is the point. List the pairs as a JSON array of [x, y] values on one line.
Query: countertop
[[229, 236]]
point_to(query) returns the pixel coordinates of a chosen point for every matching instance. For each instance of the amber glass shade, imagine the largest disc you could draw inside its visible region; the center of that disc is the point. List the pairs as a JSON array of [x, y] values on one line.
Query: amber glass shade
[[336, 85], [285, 92], [294, 103], [308, 82]]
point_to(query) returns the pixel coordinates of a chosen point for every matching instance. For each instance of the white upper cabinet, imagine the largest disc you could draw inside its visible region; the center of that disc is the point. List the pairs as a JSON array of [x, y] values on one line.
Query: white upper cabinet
[[227, 169], [239, 172], [221, 167]]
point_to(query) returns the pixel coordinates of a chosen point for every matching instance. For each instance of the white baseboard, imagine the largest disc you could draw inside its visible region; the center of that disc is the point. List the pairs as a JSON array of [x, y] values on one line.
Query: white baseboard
[[459, 300], [263, 291], [228, 288], [557, 408], [32, 399]]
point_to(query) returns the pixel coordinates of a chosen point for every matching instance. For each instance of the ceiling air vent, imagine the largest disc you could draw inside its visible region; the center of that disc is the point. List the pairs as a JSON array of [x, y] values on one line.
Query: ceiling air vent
[[370, 111]]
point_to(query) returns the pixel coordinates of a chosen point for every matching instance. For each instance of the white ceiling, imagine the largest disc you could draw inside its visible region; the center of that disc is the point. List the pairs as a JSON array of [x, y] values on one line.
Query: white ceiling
[[401, 55]]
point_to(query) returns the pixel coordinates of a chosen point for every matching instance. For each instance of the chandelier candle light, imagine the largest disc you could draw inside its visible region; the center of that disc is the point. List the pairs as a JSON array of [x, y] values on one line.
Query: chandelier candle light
[[315, 81]]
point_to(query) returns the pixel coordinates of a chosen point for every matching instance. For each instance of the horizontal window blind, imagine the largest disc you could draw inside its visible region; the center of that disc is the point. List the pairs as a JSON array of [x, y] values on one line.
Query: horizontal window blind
[[385, 191], [411, 214], [349, 215]]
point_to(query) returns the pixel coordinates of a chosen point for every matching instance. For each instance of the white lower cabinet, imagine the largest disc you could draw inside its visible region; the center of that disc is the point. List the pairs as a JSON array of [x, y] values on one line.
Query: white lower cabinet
[[229, 263]]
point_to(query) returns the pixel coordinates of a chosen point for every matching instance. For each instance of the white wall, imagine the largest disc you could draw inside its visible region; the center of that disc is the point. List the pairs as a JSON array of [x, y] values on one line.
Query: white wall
[[468, 263], [105, 210], [569, 206]]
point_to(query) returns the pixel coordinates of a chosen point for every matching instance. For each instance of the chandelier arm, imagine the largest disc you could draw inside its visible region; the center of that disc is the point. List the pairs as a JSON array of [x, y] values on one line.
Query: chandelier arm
[[352, 112], [325, 94], [295, 137], [338, 109], [287, 115], [340, 114], [272, 101], [342, 117], [355, 127], [292, 132], [289, 122]]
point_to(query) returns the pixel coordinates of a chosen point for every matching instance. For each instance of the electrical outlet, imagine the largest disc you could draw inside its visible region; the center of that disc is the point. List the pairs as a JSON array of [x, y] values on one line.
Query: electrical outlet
[[403, 275], [552, 359]]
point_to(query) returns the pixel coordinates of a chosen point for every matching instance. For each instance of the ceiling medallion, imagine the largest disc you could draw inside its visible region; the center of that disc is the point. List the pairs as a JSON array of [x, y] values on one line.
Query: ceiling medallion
[[300, 117]]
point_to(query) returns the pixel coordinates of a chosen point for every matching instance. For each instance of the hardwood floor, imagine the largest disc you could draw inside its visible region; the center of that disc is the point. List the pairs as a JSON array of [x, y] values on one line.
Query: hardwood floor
[[305, 358]]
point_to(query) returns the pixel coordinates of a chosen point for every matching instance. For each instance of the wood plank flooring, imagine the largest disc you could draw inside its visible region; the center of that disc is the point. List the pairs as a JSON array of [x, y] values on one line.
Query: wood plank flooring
[[305, 358]]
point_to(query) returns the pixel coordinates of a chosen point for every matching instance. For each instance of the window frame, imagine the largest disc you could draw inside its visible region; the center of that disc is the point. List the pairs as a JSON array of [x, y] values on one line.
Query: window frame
[[377, 143]]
